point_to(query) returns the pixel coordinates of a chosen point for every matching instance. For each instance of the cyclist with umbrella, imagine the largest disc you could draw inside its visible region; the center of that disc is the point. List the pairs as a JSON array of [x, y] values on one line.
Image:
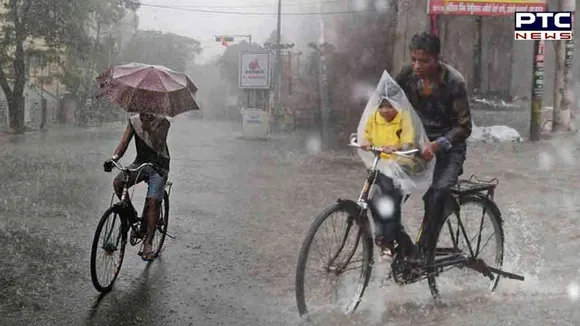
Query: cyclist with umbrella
[[153, 92]]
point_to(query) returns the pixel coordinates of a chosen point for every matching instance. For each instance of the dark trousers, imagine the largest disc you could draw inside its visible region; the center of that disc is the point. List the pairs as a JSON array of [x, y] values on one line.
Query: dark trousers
[[448, 168], [385, 207]]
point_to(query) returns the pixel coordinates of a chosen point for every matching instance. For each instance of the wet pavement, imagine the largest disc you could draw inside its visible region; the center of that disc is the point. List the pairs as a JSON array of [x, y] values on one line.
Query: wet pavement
[[239, 212]]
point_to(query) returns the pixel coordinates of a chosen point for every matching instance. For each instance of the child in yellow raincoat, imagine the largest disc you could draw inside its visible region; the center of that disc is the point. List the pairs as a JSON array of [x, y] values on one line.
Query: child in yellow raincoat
[[392, 131]]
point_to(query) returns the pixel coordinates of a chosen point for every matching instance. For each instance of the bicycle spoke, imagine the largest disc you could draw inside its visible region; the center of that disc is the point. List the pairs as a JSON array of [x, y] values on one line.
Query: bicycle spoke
[[487, 241], [480, 229], [465, 236], [352, 268]]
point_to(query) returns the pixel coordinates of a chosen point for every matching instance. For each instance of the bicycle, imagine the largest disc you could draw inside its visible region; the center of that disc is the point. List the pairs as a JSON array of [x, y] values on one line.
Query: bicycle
[[124, 218], [436, 259]]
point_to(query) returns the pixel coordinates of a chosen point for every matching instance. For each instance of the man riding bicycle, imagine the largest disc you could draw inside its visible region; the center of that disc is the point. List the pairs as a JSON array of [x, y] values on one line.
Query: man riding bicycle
[[150, 133], [438, 94]]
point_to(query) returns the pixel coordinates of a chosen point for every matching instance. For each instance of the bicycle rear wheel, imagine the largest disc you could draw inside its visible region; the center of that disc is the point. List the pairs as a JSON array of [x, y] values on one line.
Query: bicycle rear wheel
[[352, 251], [109, 243], [463, 237], [162, 223]]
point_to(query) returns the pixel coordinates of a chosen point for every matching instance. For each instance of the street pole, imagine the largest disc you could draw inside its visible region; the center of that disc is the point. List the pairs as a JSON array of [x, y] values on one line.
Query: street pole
[[563, 113], [324, 98], [477, 55], [537, 90], [278, 58]]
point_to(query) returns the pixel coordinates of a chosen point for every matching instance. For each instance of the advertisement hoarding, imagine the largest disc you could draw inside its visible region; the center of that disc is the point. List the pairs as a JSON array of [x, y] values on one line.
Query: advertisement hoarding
[[254, 70], [484, 7]]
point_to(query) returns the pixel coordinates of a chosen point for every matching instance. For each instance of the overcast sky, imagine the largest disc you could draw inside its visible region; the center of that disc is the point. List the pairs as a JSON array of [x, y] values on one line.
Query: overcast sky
[[204, 25]]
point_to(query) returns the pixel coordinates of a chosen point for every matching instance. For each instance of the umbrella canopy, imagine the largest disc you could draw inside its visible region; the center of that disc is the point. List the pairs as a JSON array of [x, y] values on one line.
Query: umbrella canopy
[[143, 88]]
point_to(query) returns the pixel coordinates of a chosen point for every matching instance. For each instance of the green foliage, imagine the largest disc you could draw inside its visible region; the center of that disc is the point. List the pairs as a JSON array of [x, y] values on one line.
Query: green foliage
[[58, 25]]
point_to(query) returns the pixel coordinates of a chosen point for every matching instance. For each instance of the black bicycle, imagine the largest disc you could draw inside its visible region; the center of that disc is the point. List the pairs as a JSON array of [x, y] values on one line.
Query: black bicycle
[[449, 246], [112, 231]]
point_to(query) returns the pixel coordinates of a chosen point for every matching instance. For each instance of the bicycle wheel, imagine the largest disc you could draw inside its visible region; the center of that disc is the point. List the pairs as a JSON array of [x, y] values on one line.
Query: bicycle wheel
[[161, 229], [111, 238], [346, 255], [462, 237]]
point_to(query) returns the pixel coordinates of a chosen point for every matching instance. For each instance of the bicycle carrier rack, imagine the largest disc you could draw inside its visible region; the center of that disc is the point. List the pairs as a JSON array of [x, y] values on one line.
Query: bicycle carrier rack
[[475, 185]]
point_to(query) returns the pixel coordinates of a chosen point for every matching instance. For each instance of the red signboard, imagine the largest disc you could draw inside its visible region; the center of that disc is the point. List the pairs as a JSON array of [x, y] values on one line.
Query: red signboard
[[483, 7]]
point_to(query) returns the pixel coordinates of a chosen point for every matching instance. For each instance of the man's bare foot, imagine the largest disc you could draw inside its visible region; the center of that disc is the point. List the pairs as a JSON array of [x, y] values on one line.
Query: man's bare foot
[[148, 253]]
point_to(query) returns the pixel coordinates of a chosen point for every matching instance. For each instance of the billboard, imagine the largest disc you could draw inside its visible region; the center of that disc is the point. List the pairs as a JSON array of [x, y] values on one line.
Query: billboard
[[254, 70], [484, 7]]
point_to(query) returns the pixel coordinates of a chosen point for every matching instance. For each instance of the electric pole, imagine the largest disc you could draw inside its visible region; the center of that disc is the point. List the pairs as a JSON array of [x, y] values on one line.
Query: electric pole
[[537, 90], [278, 58], [563, 98]]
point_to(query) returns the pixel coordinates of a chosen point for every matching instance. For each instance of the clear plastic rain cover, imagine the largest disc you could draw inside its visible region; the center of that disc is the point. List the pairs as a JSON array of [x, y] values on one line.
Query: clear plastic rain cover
[[410, 175]]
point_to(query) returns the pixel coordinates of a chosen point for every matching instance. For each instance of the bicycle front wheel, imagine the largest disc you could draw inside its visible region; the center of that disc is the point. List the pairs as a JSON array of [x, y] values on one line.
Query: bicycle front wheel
[[473, 234], [343, 264], [108, 250]]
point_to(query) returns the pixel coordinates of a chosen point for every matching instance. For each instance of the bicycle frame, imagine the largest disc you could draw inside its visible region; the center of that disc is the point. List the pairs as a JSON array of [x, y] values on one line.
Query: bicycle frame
[[125, 202], [464, 187]]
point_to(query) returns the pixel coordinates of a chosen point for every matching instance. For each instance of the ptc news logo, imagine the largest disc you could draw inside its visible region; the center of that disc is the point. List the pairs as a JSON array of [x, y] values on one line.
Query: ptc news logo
[[551, 25]]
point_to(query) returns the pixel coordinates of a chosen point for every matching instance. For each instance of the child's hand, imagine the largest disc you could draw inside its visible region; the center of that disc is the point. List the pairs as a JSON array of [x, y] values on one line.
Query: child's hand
[[365, 146], [389, 149]]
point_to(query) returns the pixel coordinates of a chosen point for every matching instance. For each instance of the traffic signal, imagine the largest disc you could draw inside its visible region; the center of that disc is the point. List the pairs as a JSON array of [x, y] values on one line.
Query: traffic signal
[[224, 39]]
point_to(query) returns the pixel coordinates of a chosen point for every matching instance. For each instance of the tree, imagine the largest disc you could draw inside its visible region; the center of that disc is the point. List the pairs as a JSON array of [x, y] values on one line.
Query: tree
[[80, 65], [154, 47], [56, 24]]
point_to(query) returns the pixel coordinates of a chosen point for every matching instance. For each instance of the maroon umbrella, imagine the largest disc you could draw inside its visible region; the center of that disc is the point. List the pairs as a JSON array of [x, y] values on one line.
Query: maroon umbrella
[[143, 88]]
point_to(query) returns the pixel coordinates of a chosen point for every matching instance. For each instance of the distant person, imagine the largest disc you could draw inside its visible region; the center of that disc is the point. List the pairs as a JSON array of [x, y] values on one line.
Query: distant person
[[438, 94], [150, 133]]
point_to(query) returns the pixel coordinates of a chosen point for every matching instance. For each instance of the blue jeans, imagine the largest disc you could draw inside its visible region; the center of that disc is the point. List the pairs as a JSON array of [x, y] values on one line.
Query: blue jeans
[[155, 181]]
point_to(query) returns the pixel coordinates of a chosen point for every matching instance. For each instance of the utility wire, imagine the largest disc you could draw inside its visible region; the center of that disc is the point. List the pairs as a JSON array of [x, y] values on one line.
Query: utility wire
[[245, 13], [213, 6]]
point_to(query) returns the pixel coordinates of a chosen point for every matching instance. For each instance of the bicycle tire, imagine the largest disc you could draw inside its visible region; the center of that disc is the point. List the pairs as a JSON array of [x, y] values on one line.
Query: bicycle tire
[[95, 246], [494, 216], [366, 240], [163, 231]]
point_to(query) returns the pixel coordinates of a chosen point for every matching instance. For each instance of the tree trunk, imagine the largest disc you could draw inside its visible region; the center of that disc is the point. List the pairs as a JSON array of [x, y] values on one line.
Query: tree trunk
[[15, 98], [563, 97], [16, 112]]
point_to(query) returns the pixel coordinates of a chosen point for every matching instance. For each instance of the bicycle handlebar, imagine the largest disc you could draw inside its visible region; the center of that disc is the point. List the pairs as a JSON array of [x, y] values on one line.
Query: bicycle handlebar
[[379, 150], [120, 167]]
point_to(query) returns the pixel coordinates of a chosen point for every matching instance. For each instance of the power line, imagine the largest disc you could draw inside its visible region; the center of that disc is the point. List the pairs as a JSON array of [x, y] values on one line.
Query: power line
[[254, 5], [255, 13]]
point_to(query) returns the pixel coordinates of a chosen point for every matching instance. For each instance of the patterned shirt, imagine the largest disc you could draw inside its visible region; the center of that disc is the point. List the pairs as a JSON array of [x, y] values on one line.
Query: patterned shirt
[[443, 108]]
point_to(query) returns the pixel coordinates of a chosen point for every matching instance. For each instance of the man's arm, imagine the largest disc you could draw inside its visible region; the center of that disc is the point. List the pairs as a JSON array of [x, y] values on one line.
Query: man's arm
[[122, 148], [460, 116]]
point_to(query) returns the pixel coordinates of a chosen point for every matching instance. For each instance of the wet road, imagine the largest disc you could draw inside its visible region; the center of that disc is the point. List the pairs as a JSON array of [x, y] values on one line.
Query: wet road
[[239, 212], [54, 191]]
